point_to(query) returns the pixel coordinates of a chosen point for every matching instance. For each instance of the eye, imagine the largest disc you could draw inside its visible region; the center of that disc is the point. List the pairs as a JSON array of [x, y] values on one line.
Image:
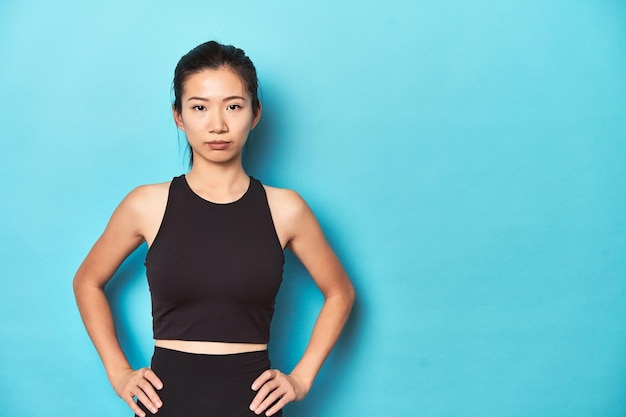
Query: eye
[[199, 107], [233, 107]]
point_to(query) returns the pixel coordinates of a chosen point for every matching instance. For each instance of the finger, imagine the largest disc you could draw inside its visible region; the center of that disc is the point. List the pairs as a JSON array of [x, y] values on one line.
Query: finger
[[153, 378], [283, 394], [272, 398], [133, 406], [141, 396], [263, 392], [277, 407], [263, 378], [149, 391]]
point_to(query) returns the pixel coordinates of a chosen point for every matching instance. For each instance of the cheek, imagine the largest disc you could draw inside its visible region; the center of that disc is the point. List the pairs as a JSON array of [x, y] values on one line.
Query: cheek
[[190, 122], [241, 124]]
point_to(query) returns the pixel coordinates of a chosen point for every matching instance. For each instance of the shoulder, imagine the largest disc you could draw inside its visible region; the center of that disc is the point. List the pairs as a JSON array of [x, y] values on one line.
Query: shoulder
[[141, 211], [144, 197], [282, 195], [143, 203], [149, 193], [285, 202], [291, 214]]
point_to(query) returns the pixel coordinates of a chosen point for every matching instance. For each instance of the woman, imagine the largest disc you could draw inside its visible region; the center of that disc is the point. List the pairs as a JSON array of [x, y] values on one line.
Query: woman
[[216, 238]]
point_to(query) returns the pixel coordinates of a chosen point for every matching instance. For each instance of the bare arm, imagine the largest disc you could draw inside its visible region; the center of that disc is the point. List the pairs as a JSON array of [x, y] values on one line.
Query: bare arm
[[123, 234], [296, 224]]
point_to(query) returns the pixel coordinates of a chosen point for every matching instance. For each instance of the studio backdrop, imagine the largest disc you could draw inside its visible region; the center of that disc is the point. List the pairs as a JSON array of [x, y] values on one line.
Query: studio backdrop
[[467, 162]]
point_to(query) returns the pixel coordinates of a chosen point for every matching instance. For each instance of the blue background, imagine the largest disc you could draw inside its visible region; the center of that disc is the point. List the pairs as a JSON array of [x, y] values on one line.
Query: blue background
[[467, 161]]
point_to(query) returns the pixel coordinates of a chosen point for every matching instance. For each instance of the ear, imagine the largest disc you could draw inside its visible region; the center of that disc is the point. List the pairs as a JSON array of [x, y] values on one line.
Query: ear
[[178, 118], [256, 119]]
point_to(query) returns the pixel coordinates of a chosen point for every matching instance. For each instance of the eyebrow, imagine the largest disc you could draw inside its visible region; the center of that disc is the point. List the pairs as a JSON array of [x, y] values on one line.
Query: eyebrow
[[225, 98]]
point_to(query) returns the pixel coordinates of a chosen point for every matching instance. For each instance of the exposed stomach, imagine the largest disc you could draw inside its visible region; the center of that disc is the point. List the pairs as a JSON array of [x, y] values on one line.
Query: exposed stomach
[[210, 348]]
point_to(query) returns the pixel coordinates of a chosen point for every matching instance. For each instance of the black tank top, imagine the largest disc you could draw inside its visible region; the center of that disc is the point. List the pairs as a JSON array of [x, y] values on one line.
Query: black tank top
[[214, 269]]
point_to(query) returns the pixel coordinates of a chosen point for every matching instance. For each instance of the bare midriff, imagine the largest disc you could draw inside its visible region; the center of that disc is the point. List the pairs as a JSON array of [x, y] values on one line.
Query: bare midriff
[[210, 348]]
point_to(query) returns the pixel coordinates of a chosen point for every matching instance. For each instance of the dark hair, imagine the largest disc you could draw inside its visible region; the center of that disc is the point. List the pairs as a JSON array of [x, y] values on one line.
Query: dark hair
[[214, 55]]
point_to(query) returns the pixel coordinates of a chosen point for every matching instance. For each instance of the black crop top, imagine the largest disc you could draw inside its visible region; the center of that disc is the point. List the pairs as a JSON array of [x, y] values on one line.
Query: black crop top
[[214, 269]]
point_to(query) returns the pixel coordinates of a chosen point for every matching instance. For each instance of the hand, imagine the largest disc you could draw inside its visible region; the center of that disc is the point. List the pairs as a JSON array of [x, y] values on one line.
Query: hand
[[141, 384], [275, 387]]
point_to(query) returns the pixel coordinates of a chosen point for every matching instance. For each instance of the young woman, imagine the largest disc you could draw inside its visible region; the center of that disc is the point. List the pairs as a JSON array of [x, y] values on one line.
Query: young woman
[[216, 238]]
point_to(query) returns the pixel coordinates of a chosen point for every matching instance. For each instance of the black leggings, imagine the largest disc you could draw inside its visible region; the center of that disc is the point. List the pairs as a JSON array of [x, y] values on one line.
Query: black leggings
[[196, 385]]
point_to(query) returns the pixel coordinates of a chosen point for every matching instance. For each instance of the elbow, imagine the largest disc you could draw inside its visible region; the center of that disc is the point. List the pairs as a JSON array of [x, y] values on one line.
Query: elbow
[[351, 296], [348, 295], [79, 281], [83, 282], [77, 286]]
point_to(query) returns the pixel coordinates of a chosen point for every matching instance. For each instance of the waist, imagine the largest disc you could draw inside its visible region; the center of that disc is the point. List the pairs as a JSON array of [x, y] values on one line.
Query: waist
[[209, 348]]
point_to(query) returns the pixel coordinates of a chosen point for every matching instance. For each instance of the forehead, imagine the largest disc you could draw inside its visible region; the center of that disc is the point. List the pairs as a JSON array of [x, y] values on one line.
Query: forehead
[[221, 82]]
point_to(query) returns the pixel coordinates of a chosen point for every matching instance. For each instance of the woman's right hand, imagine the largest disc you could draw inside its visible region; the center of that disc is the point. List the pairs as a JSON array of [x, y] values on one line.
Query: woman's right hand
[[140, 384]]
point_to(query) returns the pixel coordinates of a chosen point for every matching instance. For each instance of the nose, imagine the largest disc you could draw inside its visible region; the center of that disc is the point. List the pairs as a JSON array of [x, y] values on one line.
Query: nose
[[217, 123]]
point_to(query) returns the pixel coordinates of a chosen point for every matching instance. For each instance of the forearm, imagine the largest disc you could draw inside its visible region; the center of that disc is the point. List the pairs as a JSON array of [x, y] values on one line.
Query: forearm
[[98, 319], [326, 331]]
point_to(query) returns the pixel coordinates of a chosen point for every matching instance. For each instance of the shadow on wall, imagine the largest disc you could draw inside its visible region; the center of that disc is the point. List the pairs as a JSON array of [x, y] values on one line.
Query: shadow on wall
[[259, 154], [127, 307], [299, 299], [297, 306]]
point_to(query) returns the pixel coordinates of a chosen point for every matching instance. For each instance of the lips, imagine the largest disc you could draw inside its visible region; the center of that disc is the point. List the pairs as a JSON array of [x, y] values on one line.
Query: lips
[[218, 145]]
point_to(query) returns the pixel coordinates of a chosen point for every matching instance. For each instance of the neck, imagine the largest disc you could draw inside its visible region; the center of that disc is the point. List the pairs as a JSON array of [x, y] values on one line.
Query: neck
[[218, 183]]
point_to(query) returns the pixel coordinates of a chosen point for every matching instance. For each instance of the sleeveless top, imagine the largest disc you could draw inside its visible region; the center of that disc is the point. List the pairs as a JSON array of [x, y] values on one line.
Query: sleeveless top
[[214, 269]]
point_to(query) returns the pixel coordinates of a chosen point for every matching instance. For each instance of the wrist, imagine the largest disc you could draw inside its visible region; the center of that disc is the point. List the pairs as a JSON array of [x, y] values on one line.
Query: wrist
[[302, 383], [115, 375]]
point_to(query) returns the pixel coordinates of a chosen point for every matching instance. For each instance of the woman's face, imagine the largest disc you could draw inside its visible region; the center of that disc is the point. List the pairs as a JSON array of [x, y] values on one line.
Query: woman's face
[[216, 115]]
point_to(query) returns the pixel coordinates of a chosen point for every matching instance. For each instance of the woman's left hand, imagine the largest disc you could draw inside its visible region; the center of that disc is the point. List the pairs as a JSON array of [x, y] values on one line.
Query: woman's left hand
[[274, 387]]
